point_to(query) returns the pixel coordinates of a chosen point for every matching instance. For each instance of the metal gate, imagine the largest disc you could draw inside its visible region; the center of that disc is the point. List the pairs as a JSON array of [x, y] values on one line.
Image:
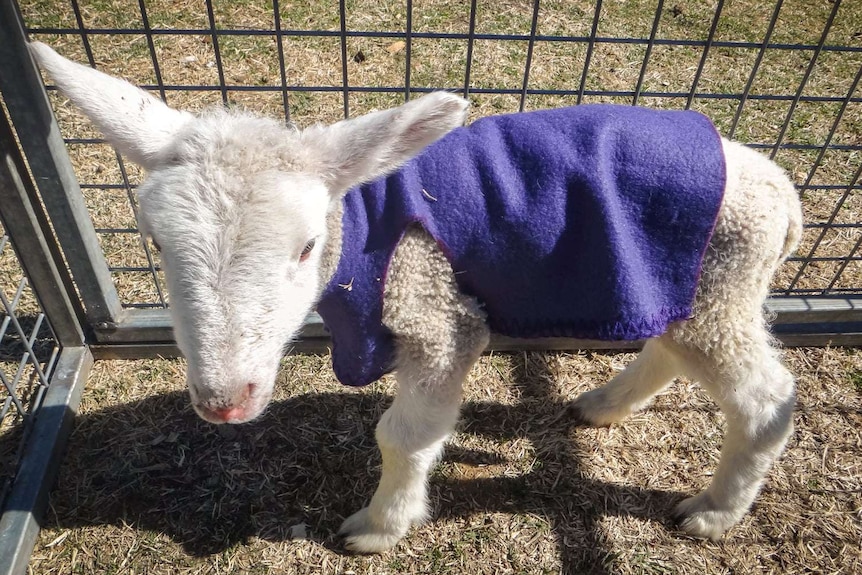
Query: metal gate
[[790, 90]]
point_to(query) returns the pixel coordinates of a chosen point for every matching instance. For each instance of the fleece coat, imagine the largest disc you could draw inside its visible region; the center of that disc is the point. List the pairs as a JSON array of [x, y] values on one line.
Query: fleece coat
[[587, 222]]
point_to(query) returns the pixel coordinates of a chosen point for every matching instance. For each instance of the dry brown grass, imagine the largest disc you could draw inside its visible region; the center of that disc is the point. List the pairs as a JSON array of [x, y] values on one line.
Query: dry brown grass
[[149, 488]]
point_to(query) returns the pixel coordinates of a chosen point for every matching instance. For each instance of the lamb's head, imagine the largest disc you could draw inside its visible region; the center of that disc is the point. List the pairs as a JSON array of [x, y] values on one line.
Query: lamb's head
[[241, 225], [238, 205]]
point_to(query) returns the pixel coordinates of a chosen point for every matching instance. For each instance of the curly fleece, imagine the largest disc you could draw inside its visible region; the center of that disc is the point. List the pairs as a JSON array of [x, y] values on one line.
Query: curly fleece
[[560, 222]]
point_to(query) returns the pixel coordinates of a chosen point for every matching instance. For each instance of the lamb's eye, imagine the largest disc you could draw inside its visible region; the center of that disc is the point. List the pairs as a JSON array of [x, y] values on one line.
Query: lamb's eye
[[306, 251]]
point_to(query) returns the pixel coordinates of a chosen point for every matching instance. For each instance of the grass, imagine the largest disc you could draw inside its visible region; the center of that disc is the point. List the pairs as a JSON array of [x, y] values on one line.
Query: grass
[[147, 487]]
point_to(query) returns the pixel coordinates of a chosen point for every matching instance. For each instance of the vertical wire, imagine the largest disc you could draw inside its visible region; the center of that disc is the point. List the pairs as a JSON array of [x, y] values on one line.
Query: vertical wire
[[471, 39], [590, 45], [148, 32], [408, 39], [147, 252], [214, 37], [821, 154], [808, 70], [131, 197], [844, 263], [120, 162], [342, 18], [84, 37], [528, 64], [703, 56], [276, 15], [655, 23], [830, 220], [757, 61], [838, 117]]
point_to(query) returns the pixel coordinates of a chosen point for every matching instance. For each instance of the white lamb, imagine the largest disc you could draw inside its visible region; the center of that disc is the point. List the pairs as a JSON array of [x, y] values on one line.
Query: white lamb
[[248, 216]]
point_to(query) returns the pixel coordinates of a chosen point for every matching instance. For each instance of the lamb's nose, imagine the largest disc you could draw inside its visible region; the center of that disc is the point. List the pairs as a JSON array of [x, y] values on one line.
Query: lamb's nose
[[237, 409], [228, 413]]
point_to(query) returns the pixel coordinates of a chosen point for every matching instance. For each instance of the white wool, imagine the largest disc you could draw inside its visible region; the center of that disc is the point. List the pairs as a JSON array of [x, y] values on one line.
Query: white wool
[[234, 201]]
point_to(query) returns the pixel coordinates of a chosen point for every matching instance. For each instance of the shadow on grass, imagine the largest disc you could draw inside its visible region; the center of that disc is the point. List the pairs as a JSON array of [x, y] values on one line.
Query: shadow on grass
[[154, 465]]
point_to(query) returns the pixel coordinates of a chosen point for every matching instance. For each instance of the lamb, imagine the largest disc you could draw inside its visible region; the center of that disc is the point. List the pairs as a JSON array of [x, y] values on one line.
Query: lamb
[[249, 217]]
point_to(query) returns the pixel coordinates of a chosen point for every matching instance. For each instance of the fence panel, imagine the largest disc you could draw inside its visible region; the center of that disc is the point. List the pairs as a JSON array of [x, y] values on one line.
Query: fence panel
[[783, 78]]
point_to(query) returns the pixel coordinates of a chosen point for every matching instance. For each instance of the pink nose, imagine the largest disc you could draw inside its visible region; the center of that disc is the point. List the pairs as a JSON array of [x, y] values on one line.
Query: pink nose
[[228, 413], [238, 408]]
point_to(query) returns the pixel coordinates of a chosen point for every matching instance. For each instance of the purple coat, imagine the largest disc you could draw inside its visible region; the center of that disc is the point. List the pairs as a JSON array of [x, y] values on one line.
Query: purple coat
[[587, 222]]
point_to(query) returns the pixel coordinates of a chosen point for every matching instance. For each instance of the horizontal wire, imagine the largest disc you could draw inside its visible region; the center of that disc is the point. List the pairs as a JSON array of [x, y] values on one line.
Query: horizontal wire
[[437, 36], [496, 91]]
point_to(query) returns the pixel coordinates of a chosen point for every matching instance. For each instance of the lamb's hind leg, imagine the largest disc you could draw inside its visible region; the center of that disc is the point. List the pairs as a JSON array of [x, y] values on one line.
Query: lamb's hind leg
[[757, 394], [652, 370]]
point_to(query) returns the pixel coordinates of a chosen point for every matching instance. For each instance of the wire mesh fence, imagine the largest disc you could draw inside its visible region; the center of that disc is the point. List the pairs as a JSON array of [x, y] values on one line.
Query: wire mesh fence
[[28, 352], [782, 77]]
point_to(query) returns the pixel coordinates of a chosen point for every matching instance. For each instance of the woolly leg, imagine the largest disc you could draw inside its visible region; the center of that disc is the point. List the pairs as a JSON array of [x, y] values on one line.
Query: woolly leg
[[410, 435], [757, 395], [652, 370]]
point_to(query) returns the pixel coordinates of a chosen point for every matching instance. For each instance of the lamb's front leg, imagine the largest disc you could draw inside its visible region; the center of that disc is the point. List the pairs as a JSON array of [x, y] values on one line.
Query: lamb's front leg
[[440, 334], [410, 435]]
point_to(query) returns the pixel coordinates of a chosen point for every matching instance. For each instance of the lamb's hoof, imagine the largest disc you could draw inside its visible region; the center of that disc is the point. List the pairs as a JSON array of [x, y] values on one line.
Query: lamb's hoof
[[698, 517], [578, 417], [593, 409], [362, 535]]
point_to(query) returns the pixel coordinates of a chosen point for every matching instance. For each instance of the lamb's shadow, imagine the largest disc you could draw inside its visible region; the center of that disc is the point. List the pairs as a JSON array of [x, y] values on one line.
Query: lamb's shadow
[[557, 488], [312, 459]]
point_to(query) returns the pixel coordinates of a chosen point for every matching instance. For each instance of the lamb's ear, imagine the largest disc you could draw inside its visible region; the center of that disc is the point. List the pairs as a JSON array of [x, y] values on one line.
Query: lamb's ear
[[354, 151], [138, 124]]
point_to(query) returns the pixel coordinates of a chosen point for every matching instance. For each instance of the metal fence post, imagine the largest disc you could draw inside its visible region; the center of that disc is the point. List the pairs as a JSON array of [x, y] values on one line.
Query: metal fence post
[[45, 151], [37, 472], [47, 425], [39, 256]]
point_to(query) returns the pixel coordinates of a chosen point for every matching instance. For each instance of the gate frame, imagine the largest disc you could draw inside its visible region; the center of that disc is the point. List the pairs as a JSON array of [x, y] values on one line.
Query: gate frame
[[47, 425]]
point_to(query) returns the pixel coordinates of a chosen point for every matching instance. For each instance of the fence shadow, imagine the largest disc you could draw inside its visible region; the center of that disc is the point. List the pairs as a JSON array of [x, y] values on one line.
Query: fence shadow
[[311, 459], [11, 344]]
